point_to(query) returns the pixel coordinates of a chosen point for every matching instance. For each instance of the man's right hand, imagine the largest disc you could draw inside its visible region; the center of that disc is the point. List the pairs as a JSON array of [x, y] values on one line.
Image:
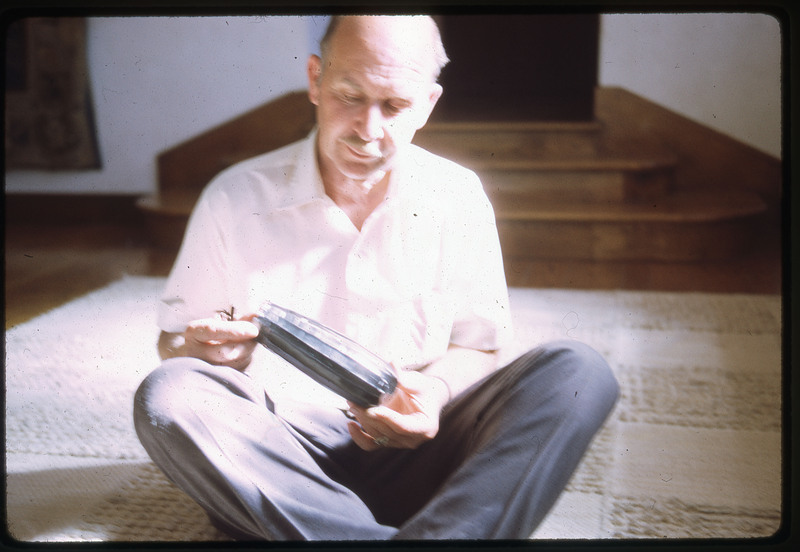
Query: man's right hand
[[216, 341]]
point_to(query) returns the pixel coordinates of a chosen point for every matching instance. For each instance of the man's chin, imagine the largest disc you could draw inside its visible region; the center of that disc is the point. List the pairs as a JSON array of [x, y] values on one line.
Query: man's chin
[[364, 170]]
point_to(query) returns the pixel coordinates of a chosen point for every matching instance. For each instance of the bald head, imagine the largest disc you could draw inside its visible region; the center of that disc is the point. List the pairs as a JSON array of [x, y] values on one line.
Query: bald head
[[374, 87], [417, 37]]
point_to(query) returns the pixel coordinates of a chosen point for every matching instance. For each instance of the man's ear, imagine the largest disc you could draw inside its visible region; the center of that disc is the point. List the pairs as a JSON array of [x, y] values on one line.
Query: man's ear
[[314, 70], [436, 93], [433, 97]]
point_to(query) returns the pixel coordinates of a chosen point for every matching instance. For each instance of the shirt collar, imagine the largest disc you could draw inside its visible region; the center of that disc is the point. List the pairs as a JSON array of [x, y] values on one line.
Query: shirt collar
[[305, 184]]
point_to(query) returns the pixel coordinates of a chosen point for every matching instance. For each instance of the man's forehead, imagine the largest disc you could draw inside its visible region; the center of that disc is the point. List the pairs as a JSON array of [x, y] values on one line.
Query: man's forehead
[[385, 45], [362, 70]]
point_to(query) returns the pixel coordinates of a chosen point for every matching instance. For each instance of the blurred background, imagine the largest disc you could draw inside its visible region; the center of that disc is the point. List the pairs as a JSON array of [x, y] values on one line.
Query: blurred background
[[156, 81], [700, 93]]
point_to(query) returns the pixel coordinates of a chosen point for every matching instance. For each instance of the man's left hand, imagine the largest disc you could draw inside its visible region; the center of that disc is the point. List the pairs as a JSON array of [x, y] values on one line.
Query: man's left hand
[[406, 419]]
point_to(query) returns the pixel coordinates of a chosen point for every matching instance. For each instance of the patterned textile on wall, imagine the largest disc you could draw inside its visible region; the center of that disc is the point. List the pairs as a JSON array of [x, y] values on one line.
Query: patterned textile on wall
[[49, 115]]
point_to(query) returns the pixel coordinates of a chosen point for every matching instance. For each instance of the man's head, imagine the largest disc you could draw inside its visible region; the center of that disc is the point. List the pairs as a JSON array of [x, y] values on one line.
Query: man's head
[[374, 87], [422, 27]]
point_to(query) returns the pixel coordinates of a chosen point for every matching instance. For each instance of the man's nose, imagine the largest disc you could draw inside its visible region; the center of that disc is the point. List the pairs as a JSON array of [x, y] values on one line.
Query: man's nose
[[370, 124]]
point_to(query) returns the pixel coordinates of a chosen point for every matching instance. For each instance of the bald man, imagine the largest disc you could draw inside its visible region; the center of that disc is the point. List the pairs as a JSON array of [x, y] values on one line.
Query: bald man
[[397, 249]]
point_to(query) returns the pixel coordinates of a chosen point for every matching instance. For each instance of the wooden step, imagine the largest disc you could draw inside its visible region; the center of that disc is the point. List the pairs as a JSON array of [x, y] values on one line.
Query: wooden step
[[165, 219], [540, 161], [475, 143], [640, 183], [187, 167], [578, 180], [685, 226]]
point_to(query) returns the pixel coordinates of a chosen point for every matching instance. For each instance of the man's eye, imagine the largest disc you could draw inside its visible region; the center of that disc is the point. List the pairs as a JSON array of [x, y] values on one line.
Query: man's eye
[[393, 108]]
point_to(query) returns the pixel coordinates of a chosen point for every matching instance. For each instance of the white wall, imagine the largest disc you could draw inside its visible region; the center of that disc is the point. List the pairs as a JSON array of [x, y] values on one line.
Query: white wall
[[723, 70], [158, 81]]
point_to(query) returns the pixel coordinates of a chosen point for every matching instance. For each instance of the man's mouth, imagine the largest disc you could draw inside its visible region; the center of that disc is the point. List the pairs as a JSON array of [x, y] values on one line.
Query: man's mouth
[[369, 153]]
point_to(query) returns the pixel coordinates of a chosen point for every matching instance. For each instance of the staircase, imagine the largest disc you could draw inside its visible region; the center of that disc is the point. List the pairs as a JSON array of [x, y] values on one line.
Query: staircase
[[185, 169], [639, 183]]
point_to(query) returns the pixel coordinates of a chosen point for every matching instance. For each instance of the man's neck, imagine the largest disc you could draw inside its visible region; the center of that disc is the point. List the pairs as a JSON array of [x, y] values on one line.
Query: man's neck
[[357, 198]]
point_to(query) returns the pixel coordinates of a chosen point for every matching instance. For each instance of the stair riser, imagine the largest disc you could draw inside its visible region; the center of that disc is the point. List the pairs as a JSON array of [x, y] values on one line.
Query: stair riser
[[599, 241], [671, 242], [165, 231], [510, 188], [468, 148]]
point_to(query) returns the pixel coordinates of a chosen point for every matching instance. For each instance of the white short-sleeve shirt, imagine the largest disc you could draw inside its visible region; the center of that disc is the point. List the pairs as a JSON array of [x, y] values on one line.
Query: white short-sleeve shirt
[[425, 270]]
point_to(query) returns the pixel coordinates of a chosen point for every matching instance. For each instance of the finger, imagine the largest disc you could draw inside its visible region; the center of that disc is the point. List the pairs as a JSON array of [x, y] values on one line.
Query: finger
[[360, 438], [224, 353], [248, 318], [371, 426], [384, 420], [380, 421], [403, 428], [214, 330], [234, 350]]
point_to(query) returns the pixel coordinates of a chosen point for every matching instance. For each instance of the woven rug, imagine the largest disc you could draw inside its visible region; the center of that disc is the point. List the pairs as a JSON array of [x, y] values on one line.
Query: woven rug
[[692, 450]]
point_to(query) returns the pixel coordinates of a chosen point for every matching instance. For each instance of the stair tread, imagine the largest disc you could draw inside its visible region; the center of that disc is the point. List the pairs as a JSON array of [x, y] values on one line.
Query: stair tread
[[686, 207], [488, 154], [578, 164], [437, 126], [574, 189], [678, 207], [174, 205]]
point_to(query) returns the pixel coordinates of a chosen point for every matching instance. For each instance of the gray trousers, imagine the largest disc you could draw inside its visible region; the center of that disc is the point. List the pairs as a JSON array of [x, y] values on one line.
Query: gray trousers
[[505, 450]]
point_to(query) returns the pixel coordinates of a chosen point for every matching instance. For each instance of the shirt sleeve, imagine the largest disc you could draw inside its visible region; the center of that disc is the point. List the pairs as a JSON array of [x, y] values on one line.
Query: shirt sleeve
[[482, 319], [197, 286]]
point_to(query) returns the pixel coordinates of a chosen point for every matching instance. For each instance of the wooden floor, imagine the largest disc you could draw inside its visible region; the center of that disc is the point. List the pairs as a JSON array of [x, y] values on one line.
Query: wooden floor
[[49, 266]]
